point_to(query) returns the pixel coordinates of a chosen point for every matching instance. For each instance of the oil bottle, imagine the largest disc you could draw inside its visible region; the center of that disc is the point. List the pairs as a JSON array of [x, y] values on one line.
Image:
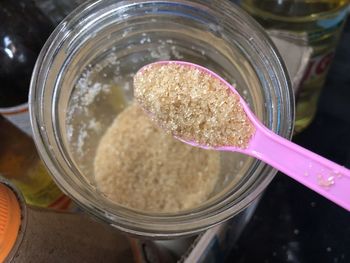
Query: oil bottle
[[316, 23], [21, 164]]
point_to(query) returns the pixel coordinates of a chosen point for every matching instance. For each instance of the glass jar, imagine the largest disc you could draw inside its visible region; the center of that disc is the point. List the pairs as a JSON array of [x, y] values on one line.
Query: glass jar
[[83, 79]]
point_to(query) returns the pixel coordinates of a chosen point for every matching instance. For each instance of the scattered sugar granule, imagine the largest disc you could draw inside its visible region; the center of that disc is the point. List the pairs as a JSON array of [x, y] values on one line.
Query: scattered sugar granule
[[139, 166], [192, 105]]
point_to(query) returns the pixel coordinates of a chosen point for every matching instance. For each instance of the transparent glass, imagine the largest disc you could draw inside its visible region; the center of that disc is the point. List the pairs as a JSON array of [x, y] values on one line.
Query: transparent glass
[[84, 74]]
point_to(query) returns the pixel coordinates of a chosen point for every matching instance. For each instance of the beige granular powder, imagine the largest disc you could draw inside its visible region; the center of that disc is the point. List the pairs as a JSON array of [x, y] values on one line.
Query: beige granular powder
[[192, 105], [139, 166]]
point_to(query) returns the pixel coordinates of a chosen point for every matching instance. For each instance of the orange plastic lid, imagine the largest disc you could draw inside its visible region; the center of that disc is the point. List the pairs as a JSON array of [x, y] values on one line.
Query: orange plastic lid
[[10, 220]]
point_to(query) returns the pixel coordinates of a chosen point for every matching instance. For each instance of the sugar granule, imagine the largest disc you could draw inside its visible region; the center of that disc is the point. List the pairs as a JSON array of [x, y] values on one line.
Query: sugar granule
[[192, 105], [139, 166]]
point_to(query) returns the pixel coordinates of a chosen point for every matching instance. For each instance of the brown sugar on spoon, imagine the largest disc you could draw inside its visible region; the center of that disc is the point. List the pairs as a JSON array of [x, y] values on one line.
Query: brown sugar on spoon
[[192, 105]]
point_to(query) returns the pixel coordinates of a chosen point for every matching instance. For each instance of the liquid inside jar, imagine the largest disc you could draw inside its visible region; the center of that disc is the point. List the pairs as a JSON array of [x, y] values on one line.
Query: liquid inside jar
[[123, 155]]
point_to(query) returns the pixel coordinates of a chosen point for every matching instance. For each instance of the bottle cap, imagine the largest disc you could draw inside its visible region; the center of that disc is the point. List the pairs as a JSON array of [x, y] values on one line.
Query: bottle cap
[[10, 220]]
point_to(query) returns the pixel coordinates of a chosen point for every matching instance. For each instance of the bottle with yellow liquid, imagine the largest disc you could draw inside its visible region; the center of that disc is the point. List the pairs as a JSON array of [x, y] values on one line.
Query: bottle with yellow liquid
[[316, 23], [20, 163]]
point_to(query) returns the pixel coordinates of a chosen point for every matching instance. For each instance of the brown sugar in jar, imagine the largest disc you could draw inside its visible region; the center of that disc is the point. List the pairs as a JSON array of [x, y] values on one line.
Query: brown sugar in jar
[[139, 166]]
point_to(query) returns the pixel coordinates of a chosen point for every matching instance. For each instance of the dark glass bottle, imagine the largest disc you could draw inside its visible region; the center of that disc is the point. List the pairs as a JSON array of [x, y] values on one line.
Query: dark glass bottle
[[23, 31]]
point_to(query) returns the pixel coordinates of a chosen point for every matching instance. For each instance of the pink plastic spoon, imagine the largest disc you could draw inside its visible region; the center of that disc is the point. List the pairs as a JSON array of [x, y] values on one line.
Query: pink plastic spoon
[[317, 173]]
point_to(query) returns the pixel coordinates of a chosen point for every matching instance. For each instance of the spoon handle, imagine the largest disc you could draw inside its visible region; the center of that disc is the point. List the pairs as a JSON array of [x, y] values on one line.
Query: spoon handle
[[316, 172]]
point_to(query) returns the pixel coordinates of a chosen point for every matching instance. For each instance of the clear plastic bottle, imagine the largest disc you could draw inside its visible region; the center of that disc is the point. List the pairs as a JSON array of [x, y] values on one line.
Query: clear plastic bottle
[[316, 23]]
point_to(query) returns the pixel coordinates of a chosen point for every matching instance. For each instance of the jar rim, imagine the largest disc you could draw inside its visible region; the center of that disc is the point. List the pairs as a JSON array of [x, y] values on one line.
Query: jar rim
[[179, 225]]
